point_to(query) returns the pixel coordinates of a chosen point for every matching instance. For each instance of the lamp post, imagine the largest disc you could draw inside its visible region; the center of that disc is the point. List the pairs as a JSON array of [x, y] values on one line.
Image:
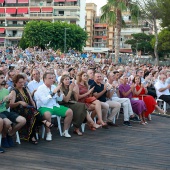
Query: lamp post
[[65, 38]]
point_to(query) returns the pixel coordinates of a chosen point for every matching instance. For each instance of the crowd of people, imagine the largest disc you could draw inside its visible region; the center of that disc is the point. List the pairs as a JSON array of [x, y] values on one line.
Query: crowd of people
[[36, 84]]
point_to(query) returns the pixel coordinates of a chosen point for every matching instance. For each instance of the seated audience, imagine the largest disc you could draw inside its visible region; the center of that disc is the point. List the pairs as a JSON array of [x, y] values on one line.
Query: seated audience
[[47, 97], [138, 106], [22, 103]]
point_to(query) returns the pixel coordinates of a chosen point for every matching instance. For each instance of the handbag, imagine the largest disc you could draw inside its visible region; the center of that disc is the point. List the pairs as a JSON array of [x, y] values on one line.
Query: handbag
[[90, 99]]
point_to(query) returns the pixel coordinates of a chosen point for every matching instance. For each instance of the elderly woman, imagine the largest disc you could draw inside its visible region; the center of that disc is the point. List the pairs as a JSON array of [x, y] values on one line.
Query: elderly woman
[[138, 106], [22, 103], [71, 100]]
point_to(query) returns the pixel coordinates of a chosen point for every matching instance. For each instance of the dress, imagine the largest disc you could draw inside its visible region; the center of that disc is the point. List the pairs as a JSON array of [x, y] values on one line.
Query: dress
[[149, 101], [138, 106], [29, 114], [82, 90], [79, 109]]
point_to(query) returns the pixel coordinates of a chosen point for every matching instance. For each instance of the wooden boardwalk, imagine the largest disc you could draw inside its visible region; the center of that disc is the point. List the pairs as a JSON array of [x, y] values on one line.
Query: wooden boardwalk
[[118, 148]]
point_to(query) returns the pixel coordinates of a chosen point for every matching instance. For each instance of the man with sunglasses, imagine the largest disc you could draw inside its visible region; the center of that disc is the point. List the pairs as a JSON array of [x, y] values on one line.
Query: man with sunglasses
[[12, 121]]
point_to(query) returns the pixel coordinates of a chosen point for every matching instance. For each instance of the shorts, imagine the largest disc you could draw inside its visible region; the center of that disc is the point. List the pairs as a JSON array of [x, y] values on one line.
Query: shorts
[[12, 116], [59, 111]]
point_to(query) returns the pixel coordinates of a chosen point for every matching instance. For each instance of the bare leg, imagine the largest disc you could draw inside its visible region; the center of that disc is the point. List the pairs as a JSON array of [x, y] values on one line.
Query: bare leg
[[20, 123], [91, 122], [1, 124], [7, 126], [47, 116], [159, 109], [96, 105], [68, 119]]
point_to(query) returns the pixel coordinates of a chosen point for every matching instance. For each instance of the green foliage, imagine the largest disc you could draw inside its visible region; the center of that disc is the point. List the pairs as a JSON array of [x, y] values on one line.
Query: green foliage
[[46, 34], [141, 42], [164, 41], [164, 6]]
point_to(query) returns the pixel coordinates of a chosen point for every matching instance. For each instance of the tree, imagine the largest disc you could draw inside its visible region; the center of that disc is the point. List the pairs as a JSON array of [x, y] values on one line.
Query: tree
[[112, 14], [47, 34], [164, 6], [151, 12], [164, 41], [141, 42]]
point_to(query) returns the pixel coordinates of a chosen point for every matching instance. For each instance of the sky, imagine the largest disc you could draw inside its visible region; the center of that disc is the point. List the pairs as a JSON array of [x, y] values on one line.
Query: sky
[[99, 3]]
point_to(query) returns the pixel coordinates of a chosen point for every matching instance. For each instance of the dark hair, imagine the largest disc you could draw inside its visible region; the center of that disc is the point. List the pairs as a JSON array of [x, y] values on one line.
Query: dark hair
[[135, 78], [146, 74], [1, 73], [45, 75], [17, 77]]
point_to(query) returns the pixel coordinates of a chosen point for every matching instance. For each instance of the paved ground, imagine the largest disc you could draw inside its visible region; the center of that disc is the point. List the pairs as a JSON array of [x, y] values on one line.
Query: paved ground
[[119, 148]]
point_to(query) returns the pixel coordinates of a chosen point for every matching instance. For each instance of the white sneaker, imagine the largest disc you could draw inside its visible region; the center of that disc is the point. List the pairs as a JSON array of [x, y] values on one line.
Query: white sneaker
[[49, 136], [66, 134]]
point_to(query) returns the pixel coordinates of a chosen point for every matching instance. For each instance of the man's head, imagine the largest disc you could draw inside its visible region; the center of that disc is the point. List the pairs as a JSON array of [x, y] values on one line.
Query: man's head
[[90, 73], [98, 77], [36, 75], [116, 73], [11, 74], [2, 78], [140, 73], [71, 71], [48, 78], [111, 76], [162, 77]]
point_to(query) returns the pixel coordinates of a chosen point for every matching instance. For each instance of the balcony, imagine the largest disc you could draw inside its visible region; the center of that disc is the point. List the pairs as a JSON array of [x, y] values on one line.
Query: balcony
[[13, 37], [100, 26], [41, 15], [15, 25], [68, 16], [2, 35], [2, 15], [44, 4], [76, 7]]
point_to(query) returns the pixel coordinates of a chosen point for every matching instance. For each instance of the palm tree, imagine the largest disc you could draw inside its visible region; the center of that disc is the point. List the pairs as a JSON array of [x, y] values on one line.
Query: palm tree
[[112, 14]]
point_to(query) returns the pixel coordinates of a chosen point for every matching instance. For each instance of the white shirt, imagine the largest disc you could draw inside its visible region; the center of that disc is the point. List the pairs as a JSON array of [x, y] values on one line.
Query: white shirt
[[33, 85], [44, 99], [159, 84]]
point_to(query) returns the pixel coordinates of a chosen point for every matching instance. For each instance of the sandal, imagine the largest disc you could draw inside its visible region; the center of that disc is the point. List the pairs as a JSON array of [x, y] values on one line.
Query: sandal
[[96, 126], [48, 124], [77, 132], [33, 141]]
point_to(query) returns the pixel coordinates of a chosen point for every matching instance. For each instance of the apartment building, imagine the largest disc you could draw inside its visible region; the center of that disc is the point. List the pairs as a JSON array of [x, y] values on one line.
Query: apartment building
[[14, 14], [101, 35]]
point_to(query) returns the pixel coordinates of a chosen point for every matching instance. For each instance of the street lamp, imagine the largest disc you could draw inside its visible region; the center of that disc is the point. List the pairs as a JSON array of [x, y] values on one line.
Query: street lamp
[[65, 37]]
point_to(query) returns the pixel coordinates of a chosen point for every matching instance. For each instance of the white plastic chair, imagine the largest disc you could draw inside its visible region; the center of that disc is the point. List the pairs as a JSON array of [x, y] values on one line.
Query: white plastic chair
[[59, 126], [84, 124], [161, 104]]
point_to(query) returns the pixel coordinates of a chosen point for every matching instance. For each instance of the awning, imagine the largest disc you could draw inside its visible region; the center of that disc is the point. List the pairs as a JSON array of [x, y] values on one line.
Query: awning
[[23, 1], [22, 10], [2, 1], [59, 0], [11, 10], [71, 0], [2, 10], [10, 1], [46, 9], [34, 9], [2, 30], [2, 39]]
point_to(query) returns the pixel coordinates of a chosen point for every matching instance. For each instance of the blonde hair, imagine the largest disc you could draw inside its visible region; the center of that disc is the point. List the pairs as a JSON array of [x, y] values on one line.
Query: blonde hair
[[61, 81]]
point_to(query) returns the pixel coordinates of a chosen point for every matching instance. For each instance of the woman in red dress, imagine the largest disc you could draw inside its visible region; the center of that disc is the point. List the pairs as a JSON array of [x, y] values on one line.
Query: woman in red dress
[[141, 93], [84, 93]]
